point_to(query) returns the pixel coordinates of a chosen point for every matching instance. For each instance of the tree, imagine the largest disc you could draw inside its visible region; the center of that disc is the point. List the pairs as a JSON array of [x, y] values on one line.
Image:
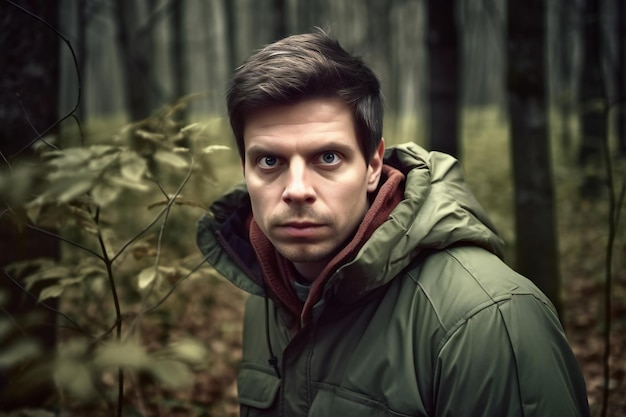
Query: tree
[[565, 16], [443, 76], [136, 53], [29, 76], [179, 52], [620, 77], [535, 229], [592, 102], [280, 14]]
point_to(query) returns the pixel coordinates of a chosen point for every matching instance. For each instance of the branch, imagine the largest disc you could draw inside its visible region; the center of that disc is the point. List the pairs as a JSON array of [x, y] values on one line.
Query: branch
[[78, 78], [48, 307], [615, 206], [157, 217]]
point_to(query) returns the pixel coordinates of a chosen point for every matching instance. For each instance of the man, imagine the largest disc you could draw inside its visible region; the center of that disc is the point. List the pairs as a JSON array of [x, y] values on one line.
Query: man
[[377, 286]]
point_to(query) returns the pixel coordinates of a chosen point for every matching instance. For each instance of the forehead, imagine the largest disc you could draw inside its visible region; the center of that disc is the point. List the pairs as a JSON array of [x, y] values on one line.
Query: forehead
[[314, 119]]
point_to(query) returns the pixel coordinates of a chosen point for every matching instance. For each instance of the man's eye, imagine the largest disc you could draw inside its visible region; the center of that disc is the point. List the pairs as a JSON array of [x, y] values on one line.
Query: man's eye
[[329, 158], [268, 161]]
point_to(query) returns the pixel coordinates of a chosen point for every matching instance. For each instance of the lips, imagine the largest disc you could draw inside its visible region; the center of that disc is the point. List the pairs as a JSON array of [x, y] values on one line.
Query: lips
[[300, 229]]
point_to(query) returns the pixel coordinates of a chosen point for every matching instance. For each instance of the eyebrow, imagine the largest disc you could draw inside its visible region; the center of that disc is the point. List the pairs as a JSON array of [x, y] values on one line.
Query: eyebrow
[[333, 145]]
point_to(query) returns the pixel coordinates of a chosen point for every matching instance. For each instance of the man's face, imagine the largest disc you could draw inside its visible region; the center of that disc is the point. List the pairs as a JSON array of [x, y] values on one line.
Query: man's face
[[308, 179]]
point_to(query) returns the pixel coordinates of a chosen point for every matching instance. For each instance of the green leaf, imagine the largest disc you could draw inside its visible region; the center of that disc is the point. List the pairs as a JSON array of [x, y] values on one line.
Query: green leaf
[[104, 193], [50, 272], [72, 188], [5, 328], [122, 354], [146, 277], [189, 351], [130, 184], [133, 167], [151, 136], [214, 148], [170, 158], [21, 350], [75, 378], [171, 373], [52, 291]]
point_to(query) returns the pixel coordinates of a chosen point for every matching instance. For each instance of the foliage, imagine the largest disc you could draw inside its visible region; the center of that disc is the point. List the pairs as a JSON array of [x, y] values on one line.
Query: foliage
[[77, 194]]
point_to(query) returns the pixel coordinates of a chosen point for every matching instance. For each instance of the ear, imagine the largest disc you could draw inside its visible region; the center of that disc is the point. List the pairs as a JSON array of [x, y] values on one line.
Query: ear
[[375, 167]]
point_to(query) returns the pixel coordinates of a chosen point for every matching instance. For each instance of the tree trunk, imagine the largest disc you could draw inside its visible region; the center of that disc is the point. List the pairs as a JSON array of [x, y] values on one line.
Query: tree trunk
[[179, 53], [230, 18], [593, 103], [28, 106], [443, 77], [280, 16], [535, 227], [565, 99], [620, 75], [136, 58]]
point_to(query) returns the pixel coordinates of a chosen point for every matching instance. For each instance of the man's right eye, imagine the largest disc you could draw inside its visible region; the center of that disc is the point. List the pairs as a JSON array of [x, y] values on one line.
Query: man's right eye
[[268, 161]]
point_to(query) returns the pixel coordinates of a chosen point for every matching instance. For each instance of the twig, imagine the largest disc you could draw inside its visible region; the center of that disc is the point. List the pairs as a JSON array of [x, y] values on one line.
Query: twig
[[72, 112], [175, 285], [170, 201], [157, 217], [46, 306], [118, 312], [61, 238], [615, 206]]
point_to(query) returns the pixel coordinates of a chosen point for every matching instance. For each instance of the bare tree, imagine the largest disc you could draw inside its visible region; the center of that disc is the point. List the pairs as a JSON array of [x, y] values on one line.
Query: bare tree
[[443, 76], [535, 227]]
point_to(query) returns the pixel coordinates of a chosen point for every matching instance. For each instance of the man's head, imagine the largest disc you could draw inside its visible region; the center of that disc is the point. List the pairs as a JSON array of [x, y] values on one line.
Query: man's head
[[303, 67], [307, 117]]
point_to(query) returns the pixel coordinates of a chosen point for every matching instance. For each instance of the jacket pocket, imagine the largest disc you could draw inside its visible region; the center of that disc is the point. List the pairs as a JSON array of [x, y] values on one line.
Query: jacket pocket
[[336, 401], [257, 390]]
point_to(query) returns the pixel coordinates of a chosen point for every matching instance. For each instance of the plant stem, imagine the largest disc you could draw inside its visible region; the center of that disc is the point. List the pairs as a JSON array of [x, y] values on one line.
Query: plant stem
[[615, 206], [118, 312]]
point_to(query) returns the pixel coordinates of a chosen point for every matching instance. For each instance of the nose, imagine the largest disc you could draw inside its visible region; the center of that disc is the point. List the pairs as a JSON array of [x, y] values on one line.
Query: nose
[[299, 189]]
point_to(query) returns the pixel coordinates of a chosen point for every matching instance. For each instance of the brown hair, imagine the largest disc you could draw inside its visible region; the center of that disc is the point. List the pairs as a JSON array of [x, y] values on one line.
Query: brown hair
[[301, 67]]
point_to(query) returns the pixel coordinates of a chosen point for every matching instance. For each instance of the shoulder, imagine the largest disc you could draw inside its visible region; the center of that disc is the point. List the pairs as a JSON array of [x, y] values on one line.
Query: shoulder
[[459, 283]]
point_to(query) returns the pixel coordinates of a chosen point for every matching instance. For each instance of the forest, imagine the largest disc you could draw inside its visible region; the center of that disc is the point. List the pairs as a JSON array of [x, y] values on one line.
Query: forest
[[115, 140]]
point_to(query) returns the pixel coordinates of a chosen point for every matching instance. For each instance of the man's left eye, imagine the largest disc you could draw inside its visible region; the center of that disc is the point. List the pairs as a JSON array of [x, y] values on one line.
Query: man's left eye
[[329, 158]]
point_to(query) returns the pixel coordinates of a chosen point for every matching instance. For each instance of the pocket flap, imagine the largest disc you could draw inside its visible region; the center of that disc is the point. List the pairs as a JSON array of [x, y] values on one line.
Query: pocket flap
[[257, 388]]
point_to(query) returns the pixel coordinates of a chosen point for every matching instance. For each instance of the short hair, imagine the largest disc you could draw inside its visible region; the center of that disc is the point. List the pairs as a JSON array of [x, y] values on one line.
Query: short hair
[[302, 67]]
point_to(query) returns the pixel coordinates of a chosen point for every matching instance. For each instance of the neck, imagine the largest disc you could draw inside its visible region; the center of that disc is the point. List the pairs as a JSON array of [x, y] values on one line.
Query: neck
[[309, 270]]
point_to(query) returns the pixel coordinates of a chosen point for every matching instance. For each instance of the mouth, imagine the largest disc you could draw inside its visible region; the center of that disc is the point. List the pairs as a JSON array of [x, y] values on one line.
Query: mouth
[[300, 229]]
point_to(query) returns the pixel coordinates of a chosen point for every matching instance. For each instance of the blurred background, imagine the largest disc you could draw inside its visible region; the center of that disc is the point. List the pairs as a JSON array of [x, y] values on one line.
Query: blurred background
[[529, 95]]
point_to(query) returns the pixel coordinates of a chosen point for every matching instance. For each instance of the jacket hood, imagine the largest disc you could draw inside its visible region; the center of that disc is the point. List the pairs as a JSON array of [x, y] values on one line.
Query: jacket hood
[[438, 211]]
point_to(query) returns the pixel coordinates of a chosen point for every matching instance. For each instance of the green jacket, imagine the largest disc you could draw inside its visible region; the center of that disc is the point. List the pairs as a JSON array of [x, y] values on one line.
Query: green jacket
[[425, 321]]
